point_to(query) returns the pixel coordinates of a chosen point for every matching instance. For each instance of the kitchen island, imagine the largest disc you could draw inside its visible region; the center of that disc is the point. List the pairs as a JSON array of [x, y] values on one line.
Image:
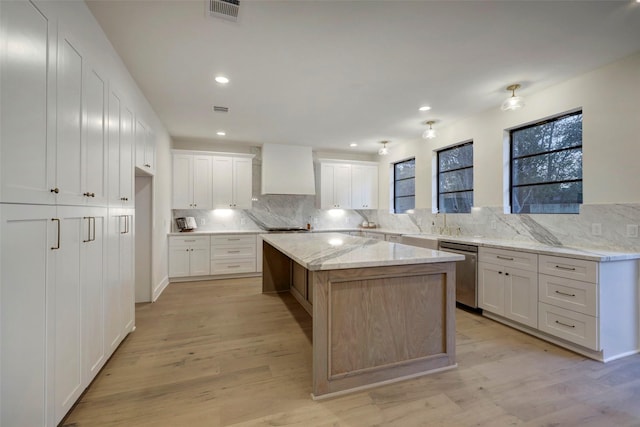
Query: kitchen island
[[382, 312]]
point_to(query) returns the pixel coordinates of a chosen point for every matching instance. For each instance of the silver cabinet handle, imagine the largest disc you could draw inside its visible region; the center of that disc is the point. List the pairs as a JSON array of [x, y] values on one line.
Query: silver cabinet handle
[[564, 324], [88, 218], [233, 252], [565, 268], [233, 266], [565, 294], [57, 246], [504, 257], [55, 190]]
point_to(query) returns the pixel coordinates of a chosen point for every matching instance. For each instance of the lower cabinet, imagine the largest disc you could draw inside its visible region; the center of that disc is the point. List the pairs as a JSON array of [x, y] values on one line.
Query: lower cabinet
[[301, 286], [507, 291], [188, 256], [54, 308], [233, 254]]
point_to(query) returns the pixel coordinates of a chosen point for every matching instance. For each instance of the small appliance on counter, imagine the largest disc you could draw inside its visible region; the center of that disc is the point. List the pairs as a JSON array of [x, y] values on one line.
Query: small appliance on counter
[[187, 223]]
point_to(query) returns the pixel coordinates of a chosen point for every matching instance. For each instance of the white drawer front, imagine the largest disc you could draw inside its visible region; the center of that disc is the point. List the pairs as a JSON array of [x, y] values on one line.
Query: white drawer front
[[569, 325], [233, 267], [233, 239], [568, 293], [191, 241], [576, 269], [523, 260], [222, 252]]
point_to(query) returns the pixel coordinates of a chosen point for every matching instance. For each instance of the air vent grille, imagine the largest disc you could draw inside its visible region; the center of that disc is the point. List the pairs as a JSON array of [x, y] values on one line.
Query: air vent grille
[[225, 9], [220, 109]]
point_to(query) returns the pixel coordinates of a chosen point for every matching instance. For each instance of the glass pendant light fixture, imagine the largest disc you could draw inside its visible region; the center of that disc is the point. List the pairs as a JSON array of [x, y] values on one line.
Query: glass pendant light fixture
[[431, 132], [513, 102], [384, 150]]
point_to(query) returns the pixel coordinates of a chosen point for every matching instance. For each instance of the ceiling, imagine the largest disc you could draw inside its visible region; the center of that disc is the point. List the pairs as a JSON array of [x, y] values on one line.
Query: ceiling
[[327, 73]]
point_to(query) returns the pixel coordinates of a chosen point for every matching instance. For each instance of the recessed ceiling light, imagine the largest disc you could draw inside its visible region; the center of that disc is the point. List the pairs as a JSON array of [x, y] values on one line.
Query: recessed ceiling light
[[221, 133], [424, 108], [353, 144], [222, 79]]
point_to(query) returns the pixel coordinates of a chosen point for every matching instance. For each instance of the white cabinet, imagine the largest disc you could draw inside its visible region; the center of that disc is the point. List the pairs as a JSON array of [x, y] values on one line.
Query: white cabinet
[[232, 182], [335, 186], [94, 156], [27, 235], [145, 148], [508, 291], [233, 254], [27, 104], [192, 182], [120, 140], [364, 186], [189, 256]]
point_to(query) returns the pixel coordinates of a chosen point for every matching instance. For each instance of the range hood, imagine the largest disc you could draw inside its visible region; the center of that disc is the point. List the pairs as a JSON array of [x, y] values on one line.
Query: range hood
[[287, 169]]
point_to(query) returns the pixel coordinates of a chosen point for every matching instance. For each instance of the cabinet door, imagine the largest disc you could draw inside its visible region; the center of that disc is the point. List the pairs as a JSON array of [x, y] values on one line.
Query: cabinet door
[[113, 140], [141, 144], [199, 261], [182, 181], [202, 182], [342, 186], [27, 234], [113, 309], [69, 141], [326, 186], [127, 273], [178, 261], [68, 311], [364, 187], [150, 153], [94, 186], [27, 105], [126, 157], [242, 183], [491, 288], [222, 172], [92, 269], [521, 296]]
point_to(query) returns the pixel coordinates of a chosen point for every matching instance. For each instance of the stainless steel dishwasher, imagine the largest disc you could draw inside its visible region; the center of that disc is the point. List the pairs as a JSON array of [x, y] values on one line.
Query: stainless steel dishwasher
[[466, 272]]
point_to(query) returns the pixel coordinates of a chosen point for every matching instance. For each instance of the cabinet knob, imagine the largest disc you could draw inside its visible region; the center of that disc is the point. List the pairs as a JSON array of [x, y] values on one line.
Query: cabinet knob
[[55, 190], [147, 165]]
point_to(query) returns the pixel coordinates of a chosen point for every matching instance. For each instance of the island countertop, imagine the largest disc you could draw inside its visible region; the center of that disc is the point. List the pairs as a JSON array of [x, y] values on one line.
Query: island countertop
[[334, 251]]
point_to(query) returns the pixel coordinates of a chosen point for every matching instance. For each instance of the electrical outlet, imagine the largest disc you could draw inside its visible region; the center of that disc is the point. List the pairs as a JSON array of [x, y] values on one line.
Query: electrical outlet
[[632, 230], [243, 221], [494, 225], [596, 229], [202, 221], [315, 219]]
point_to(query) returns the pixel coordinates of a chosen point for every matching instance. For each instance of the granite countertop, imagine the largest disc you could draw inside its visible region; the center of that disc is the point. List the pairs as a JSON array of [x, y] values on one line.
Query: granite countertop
[[589, 254], [333, 251]]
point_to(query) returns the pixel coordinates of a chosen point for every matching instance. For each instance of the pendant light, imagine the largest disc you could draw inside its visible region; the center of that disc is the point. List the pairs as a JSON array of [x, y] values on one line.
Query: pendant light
[[431, 132], [384, 150], [513, 102]]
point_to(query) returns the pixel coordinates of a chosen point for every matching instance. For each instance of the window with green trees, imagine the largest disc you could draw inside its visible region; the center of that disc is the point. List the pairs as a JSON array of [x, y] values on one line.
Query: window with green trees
[[455, 179], [404, 186], [546, 166]]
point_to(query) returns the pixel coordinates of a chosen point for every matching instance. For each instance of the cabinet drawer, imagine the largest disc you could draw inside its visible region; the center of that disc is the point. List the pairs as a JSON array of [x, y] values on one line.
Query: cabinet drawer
[[523, 260], [221, 252], [577, 269], [233, 266], [570, 294], [233, 239], [191, 241], [569, 325]]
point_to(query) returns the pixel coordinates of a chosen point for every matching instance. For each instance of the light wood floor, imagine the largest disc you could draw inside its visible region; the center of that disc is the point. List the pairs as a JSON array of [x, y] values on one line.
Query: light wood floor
[[220, 353]]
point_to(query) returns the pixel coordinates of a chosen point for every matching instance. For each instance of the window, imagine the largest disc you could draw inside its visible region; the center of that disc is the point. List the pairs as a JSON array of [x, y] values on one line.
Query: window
[[404, 186], [546, 166], [455, 179]]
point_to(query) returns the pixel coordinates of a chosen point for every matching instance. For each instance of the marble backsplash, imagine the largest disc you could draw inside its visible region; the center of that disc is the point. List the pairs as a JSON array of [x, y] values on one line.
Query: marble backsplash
[[554, 230]]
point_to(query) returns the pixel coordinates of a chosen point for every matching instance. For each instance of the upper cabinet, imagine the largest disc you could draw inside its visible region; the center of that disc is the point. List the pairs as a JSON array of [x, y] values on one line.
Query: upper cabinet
[[348, 185], [204, 180], [120, 137], [145, 148]]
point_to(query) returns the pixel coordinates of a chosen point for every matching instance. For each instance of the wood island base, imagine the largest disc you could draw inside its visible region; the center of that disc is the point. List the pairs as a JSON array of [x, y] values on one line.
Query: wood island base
[[373, 325]]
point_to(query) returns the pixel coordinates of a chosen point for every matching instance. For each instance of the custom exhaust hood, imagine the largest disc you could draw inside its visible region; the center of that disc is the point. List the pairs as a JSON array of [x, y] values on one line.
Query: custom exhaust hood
[[287, 169]]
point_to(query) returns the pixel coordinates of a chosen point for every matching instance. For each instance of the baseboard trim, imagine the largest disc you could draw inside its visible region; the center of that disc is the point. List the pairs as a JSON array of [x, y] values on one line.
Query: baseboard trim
[[159, 288]]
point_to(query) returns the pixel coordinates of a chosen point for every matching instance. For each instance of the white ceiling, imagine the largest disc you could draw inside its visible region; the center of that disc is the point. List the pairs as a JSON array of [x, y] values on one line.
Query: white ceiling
[[327, 73]]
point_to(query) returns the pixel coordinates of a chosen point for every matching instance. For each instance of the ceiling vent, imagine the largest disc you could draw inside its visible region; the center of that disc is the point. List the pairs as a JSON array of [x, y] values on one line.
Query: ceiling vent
[[219, 109], [225, 9]]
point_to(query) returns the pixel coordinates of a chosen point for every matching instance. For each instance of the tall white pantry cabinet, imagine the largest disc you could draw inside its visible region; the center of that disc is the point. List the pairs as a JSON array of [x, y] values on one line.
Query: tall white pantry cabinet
[[66, 216]]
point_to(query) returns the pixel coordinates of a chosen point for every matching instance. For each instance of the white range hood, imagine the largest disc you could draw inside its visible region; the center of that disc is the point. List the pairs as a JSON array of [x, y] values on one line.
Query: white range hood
[[287, 169]]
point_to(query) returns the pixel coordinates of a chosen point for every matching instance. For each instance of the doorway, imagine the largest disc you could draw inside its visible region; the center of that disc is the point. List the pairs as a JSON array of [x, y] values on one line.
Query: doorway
[[143, 237]]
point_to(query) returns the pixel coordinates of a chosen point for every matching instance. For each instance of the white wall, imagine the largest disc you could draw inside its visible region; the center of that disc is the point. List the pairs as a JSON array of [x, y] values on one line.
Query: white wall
[[78, 20], [609, 99]]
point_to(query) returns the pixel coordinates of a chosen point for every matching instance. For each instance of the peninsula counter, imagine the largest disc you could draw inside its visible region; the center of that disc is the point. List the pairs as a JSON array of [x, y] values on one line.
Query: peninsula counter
[[382, 312]]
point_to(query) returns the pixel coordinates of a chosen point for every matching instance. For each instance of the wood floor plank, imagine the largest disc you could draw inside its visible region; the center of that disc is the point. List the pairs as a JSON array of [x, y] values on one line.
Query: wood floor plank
[[220, 353]]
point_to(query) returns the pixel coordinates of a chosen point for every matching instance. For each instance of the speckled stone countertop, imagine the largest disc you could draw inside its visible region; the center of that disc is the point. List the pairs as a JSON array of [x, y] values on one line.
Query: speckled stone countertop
[[332, 251], [589, 254]]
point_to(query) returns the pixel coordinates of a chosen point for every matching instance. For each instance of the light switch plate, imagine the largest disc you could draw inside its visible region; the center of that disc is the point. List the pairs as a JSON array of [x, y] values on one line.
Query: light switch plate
[[596, 229], [632, 230]]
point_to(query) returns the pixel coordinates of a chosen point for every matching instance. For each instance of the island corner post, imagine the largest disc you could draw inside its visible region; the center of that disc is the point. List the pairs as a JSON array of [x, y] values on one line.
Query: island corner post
[[371, 325]]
